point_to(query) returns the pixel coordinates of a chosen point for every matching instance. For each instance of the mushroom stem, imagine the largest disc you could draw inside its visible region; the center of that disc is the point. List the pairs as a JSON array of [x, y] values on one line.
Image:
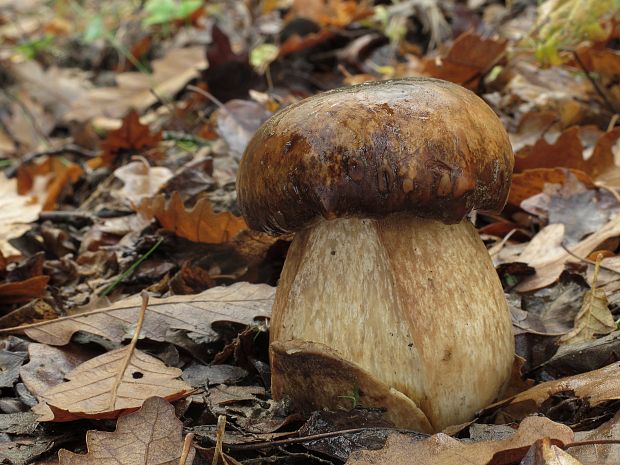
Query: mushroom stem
[[413, 302]]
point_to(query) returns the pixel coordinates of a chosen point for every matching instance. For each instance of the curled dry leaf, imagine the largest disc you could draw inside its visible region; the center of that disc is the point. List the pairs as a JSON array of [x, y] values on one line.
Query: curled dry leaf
[[108, 385], [150, 436], [198, 224], [141, 180], [545, 253], [441, 449], [241, 303], [596, 386], [594, 318], [23, 291]]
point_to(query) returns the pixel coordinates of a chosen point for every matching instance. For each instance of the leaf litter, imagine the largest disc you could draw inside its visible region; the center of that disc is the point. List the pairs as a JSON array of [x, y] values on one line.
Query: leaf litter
[[120, 137]]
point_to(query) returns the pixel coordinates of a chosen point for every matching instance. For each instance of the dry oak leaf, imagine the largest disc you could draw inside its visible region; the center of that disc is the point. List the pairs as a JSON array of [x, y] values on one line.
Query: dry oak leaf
[[240, 303], [568, 152], [106, 386], [532, 181], [469, 57], [546, 254], [441, 449], [151, 436], [197, 224], [596, 386], [132, 135], [140, 91]]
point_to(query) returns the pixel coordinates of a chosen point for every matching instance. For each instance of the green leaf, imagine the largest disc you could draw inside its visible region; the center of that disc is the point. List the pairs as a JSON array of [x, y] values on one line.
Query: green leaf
[[95, 29]]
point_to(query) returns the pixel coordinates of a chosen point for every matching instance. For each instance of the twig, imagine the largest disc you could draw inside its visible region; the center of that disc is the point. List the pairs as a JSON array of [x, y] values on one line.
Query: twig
[[130, 350], [217, 453], [594, 83], [74, 217], [593, 442], [131, 269], [586, 260], [314, 437], [187, 447], [207, 95], [69, 148]]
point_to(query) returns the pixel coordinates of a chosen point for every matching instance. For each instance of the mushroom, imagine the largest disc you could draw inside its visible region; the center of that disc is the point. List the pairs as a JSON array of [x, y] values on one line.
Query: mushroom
[[388, 295]]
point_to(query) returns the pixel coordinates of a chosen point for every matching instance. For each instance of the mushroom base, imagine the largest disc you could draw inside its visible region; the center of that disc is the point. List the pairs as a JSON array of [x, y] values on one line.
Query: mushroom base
[[412, 302]]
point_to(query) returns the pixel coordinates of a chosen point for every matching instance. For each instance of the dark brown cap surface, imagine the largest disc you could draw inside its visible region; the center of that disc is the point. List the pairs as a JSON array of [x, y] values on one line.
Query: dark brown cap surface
[[418, 145]]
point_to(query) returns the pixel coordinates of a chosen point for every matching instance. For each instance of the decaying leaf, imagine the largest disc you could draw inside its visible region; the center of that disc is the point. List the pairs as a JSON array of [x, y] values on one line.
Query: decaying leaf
[[596, 387], [241, 303], [198, 224], [16, 211], [594, 318], [150, 436], [442, 449], [139, 91], [532, 181], [110, 384], [23, 291]]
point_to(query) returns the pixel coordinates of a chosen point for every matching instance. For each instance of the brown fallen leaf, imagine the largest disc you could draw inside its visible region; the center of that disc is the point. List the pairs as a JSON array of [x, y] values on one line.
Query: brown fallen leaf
[[23, 291], [442, 449], [198, 224], [139, 91], [469, 57], [111, 384], [47, 366], [131, 136], [150, 436], [543, 452], [532, 181], [545, 253], [106, 386], [241, 303], [568, 152], [594, 318], [596, 386]]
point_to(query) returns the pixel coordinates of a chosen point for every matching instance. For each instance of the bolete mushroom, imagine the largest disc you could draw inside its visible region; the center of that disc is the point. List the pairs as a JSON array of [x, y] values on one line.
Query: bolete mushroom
[[387, 295]]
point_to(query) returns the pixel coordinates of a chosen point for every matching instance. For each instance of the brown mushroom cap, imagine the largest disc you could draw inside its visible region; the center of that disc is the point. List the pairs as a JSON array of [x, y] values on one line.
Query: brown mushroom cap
[[420, 145]]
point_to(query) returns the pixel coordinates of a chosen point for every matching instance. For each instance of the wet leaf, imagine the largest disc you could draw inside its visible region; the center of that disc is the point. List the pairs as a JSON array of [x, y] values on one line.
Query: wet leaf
[[150, 436]]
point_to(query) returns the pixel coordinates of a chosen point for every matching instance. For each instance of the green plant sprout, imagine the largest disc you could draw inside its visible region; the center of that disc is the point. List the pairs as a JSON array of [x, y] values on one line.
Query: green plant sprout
[[353, 396], [131, 269]]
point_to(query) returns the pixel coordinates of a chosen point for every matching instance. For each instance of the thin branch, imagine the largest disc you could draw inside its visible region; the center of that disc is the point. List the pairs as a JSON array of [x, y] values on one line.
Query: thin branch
[[187, 447], [595, 84], [586, 260]]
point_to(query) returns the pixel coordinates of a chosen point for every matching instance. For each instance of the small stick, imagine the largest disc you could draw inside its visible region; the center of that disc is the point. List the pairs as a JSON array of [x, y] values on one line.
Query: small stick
[[594, 83], [585, 260], [187, 447]]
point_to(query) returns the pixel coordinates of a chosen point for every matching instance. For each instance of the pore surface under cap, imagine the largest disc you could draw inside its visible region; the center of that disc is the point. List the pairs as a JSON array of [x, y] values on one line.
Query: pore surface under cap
[[417, 145]]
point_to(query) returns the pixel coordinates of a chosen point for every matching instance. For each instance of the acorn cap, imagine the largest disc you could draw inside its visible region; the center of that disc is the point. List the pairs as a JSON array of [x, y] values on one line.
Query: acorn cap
[[416, 145]]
